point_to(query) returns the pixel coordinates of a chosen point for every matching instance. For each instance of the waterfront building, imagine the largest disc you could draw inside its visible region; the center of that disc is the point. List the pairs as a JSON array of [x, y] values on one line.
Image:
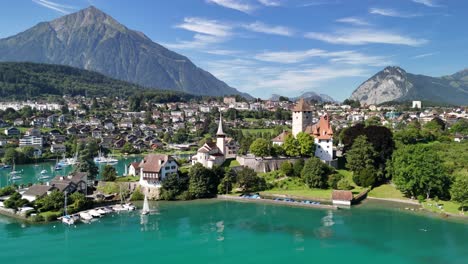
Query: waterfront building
[[340, 197], [134, 169], [211, 153], [156, 167]]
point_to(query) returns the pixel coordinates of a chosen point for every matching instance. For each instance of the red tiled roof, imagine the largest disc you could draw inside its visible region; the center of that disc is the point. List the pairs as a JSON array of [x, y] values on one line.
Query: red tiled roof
[[154, 162], [323, 129], [342, 195]]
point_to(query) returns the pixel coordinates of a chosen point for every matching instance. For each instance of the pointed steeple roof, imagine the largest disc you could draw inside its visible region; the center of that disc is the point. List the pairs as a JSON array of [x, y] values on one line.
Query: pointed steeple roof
[[302, 106], [220, 126]]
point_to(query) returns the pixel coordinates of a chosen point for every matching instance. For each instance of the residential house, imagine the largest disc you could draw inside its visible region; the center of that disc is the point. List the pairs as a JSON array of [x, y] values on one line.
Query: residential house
[[279, 140], [37, 191], [58, 148], [18, 122], [31, 141], [156, 167], [134, 169], [12, 131]]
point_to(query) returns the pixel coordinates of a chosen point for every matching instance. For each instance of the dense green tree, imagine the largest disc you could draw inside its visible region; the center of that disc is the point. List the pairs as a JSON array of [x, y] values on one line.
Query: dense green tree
[[333, 180], [53, 201], [249, 181], [287, 168], [315, 173], [366, 177], [298, 165], [418, 170], [306, 144], [10, 156], [173, 185], [459, 190], [361, 155], [260, 147], [129, 149], [109, 173], [15, 201], [352, 103], [291, 146], [77, 201], [461, 126], [203, 183], [227, 182]]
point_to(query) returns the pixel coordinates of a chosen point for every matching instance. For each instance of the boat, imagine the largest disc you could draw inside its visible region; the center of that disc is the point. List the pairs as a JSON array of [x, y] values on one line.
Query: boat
[[43, 172], [15, 177], [43, 177], [119, 207], [57, 166], [64, 162], [129, 207], [94, 213], [145, 209], [101, 211], [105, 160], [6, 166], [85, 217], [67, 219]]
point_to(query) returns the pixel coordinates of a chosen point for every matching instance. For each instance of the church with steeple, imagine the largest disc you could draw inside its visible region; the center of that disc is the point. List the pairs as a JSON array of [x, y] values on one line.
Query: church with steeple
[[212, 153]]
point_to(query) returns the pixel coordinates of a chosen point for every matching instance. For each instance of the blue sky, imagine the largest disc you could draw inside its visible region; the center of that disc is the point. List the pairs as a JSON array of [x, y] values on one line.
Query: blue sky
[[285, 46]]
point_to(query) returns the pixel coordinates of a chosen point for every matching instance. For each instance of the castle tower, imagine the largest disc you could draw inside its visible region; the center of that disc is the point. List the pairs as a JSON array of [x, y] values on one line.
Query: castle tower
[[323, 139], [301, 117], [220, 136]]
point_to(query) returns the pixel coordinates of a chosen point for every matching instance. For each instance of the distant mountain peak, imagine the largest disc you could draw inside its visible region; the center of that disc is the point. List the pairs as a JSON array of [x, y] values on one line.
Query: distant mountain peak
[[395, 84], [91, 39]]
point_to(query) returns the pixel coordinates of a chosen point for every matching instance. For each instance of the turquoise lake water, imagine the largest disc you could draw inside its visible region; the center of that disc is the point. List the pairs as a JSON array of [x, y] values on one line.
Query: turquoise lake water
[[232, 232], [31, 173]]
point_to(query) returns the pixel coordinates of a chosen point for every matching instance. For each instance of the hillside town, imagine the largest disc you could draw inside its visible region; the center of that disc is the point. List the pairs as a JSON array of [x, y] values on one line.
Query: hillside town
[[264, 137]]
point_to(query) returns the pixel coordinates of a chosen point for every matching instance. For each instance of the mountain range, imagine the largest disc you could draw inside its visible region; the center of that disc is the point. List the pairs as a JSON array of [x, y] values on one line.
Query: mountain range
[[395, 84], [92, 40], [310, 96]]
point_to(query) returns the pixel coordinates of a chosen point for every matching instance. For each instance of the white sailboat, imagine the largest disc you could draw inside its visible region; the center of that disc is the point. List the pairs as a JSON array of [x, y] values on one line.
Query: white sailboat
[[14, 174], [67, 219], [145, 209]]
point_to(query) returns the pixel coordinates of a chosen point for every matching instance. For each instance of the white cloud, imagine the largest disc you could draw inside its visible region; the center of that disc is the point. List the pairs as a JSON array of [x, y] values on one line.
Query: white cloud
[[263, 80], [391, 13], [269, 29], [429, 3], [360, 37], [238, 5], [63, 9], [343, 57], [205, 26], [353, 21], [199, 41], [420, 56], [270, 2]]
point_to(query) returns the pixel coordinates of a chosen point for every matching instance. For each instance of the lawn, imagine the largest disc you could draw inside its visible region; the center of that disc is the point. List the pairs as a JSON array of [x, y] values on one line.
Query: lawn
[[305, 192], [253, 131], [447, 207], [230, 163], [387, 191], [128, 179]]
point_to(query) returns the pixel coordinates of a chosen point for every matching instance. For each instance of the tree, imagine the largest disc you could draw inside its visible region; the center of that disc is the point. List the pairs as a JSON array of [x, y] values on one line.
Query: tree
[[418, 170], [52, 201], [459, 190], [129, 149], [77, 201], [173, 185], [333, 180], [352, 103], [291, 146], [202, 182], [226, 184], [109, 173], [287, 168], [366, 177], [249, 181], [298, 165], [260, 147], [344, 184], [461, 126], [10, 156], [315, 173], [306, 144], [361, 155]]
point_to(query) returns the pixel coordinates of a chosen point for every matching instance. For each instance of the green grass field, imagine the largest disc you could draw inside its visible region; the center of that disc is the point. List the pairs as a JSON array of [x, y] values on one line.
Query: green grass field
[[387, 191]]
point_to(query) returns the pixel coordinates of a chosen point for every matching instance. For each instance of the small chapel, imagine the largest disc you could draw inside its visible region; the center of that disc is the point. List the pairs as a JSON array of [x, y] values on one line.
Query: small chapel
[[212, 153]]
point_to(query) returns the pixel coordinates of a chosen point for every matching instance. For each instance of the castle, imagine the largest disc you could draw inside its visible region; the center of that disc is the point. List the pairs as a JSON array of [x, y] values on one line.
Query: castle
[[321, 131]]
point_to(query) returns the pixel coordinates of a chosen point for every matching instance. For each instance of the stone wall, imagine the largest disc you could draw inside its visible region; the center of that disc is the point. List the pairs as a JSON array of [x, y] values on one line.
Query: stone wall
[[263, 164]]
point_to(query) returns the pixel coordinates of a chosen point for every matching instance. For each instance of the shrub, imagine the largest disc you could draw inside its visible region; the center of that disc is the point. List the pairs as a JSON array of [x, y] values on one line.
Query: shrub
[[137, 195], [334, 179], [365, 177], [421, 198], [344, 184], [184, 196], [37, 218], [287, 168]]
